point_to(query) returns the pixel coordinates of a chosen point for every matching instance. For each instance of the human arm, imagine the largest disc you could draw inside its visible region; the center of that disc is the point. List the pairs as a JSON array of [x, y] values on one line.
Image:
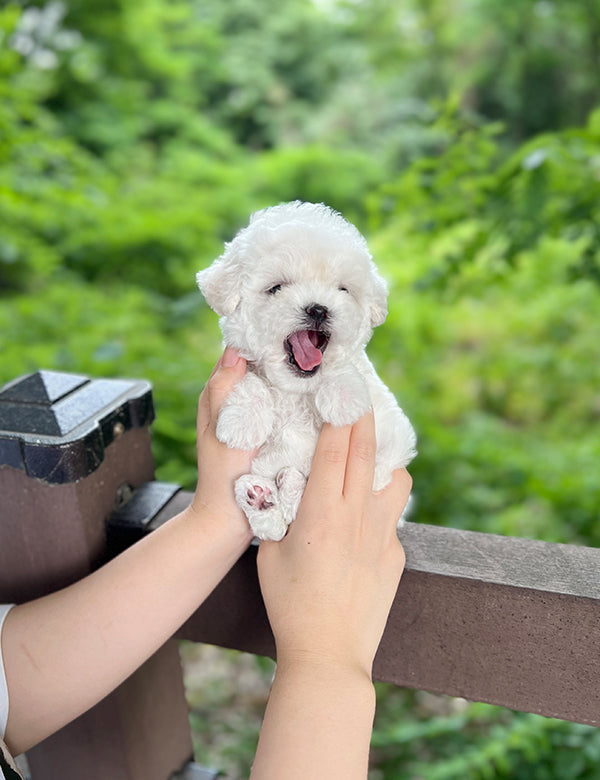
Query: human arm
[[328, 587], [64, 652]]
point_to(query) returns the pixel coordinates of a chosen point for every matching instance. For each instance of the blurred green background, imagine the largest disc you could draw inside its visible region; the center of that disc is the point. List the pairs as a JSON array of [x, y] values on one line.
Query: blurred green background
[[461, 136]]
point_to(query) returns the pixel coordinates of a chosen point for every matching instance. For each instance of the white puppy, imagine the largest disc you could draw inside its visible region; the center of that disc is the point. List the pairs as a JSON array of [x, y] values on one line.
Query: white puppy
[[298, 295]]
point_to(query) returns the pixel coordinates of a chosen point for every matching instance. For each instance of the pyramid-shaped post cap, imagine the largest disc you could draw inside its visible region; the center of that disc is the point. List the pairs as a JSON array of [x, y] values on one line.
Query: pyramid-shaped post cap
[[56, 426], [30, 403], [42, 387]]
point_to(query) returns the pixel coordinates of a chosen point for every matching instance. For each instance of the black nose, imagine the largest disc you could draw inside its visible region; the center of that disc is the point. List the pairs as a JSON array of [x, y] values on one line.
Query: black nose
[[317, 313]]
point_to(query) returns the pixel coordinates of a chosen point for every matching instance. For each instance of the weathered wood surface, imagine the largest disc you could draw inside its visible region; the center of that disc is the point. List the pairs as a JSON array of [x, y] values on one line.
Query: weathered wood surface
[[497, 619], [504, 560], [50, 535]]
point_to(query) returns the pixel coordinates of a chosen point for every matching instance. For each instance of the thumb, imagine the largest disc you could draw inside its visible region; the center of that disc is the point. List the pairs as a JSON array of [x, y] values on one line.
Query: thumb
[[228, 371], [230, 358]]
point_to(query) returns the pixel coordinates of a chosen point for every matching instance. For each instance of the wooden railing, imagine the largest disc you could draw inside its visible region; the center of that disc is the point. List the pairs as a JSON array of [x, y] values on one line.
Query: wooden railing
[[489, 618]]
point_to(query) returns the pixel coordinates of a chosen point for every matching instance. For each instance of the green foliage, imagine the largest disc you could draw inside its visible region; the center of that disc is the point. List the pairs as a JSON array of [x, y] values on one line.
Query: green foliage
[[532, 64], [43, 175], [485, 209], [495, 270], [135, 138], [236, 686], [475, 742], [319, 173], [120, 331]]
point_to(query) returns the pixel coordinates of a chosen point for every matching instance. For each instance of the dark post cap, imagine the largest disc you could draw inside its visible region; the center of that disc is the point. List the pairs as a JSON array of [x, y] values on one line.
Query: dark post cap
[[56, 426]]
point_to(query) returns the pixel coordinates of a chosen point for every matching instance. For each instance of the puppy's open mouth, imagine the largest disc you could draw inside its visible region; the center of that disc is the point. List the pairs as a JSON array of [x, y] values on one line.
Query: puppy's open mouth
[[305, 350]]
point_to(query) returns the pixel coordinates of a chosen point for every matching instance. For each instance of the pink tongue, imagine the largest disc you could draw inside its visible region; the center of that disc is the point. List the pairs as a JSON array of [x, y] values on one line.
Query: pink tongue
[[305, 353]]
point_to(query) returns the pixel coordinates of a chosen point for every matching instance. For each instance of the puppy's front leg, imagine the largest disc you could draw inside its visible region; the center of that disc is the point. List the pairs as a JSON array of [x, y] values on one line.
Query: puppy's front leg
[[343, 398], [246, 418]]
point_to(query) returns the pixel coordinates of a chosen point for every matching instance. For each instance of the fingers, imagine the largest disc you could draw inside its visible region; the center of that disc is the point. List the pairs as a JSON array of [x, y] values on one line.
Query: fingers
[[344, 460], [392, 500], [328, 470], [228, 371], [360, 465]]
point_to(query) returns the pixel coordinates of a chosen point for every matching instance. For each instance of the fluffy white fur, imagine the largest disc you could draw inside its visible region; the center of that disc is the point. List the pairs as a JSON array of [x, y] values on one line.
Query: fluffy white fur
[[299, 275]]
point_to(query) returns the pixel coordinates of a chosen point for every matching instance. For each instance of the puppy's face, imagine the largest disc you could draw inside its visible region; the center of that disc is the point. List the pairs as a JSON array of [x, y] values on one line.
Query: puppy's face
[[298, 298]]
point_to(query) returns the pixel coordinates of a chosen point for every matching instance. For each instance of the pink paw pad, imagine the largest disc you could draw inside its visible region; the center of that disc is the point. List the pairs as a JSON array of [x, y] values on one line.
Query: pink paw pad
[[258, 497]]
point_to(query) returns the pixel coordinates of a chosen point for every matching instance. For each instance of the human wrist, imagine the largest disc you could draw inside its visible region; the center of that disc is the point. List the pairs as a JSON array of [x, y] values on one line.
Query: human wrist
[[221, 526], [306, 679], [321, 664]]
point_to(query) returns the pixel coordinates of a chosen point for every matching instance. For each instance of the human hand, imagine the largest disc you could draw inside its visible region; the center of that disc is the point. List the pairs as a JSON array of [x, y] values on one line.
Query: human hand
[[83, 640], [218, 465], [329, 584]]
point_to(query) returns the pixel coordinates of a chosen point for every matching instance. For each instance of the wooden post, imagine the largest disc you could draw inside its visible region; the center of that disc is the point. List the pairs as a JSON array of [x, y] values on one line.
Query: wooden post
[[71, 450]]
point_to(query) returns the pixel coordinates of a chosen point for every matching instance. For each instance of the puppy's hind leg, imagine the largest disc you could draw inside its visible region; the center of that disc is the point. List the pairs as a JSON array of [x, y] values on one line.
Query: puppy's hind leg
[[291, 484], [258, 498]]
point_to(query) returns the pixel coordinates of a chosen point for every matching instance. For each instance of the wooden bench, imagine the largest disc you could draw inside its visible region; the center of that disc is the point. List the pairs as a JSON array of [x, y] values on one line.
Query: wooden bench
[[488, 618]]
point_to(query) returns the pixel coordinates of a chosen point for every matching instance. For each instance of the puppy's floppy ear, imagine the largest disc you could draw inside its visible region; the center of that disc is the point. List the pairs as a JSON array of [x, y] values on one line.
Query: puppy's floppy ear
[[221, 283], [378, 298]]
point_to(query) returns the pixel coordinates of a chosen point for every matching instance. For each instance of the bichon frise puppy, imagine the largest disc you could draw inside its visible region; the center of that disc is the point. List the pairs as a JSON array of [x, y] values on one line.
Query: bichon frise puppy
[[298, 295]]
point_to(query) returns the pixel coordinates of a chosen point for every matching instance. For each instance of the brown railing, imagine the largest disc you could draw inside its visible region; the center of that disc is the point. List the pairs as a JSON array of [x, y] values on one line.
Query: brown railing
[[489, 618]]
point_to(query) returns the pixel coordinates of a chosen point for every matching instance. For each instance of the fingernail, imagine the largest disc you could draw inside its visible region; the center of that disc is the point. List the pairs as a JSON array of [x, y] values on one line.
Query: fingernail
[[230, 357]]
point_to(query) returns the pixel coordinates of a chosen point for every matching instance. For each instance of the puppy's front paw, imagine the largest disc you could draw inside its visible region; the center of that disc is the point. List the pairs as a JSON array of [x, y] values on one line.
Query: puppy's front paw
[[343, 399], [241, 428], [246, 418]]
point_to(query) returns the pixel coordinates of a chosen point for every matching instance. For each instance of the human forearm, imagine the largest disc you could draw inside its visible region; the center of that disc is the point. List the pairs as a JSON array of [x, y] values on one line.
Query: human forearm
[[66, 651], [328, 587], [317, 724]]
